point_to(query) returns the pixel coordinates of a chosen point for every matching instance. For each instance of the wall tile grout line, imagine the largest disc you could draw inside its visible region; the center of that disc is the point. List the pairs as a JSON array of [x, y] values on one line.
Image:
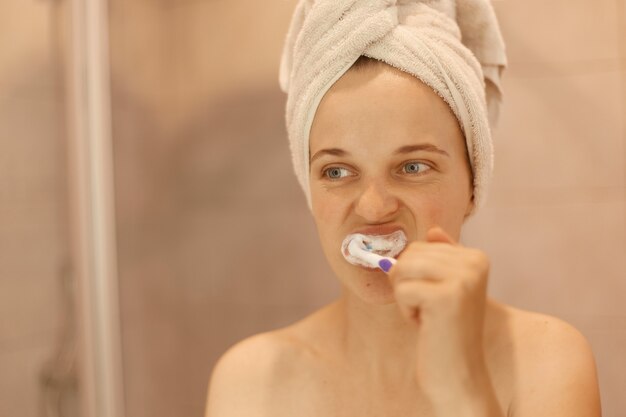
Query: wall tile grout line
[[621, 24]]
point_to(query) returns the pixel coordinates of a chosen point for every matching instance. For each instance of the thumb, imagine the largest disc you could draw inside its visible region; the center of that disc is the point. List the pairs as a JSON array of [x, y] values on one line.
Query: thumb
[[437, 234]]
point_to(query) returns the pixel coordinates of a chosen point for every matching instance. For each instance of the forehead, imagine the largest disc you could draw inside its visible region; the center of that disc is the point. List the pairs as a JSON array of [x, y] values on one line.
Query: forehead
[[380, 101]]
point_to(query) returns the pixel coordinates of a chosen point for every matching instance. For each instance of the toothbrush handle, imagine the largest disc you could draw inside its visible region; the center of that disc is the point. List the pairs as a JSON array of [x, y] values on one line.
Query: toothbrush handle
[[386, 263]]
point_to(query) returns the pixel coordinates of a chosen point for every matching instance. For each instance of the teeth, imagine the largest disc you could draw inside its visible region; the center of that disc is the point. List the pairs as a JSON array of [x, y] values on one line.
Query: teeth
[[360, 249]]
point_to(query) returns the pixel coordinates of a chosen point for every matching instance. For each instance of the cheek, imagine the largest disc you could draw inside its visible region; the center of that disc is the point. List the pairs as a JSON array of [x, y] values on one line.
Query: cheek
[[327, 204], [329, 214], [441, 207], [428, 209], [328, 209], [451, 215]]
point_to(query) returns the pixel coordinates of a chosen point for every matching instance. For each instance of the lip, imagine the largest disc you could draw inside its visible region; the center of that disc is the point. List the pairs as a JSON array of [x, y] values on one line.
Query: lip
[[382, 229]]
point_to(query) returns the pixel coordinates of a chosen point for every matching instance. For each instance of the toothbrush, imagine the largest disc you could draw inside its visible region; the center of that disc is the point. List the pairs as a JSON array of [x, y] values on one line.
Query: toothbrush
[[359, 249]]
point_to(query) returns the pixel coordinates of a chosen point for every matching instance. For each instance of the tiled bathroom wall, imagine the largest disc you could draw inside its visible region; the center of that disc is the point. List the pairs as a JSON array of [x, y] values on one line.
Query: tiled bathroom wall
[[208, 206], [555, 225]]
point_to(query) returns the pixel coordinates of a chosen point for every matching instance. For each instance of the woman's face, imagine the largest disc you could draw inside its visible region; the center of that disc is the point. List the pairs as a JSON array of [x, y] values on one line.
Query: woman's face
[[386, 153]]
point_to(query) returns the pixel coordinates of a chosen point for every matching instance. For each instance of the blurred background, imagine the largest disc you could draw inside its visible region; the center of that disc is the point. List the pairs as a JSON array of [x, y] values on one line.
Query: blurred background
[[186, 99]]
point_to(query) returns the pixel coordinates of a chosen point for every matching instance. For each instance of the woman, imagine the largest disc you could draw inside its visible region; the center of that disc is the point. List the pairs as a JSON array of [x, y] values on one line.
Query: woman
[[390, 149]]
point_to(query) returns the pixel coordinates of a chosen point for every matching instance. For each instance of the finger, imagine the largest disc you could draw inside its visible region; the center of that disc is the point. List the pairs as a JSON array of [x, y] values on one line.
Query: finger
[[433, 268], [412, 314], [414, 293], [428, 249], [437, 234], [434, 250], [410, 298], [420, 296]]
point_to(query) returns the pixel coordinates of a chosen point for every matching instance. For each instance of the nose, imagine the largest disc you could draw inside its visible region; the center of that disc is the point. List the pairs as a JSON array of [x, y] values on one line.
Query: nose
[[376, 203]]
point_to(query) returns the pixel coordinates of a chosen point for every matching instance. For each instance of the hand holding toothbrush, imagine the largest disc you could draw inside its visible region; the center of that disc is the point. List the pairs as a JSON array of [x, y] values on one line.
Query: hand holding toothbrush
[[441, 286]]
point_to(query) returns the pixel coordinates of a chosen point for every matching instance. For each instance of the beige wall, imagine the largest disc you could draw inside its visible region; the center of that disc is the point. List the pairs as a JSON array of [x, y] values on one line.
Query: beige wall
[[207, 178], [33, 208], [203, 177], [555, 225]]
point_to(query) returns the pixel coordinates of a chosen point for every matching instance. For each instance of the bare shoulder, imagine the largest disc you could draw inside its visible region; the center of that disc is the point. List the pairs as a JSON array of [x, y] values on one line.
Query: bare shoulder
[[554, 367], [244, 378], [540, 336]]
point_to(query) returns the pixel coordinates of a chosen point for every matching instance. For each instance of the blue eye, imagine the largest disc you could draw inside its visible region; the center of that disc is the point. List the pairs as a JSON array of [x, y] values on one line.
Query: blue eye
[[335, 173], [414, 167]]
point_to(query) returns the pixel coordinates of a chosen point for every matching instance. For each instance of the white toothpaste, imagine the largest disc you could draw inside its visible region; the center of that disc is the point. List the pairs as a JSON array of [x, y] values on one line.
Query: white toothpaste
[[369, 250]]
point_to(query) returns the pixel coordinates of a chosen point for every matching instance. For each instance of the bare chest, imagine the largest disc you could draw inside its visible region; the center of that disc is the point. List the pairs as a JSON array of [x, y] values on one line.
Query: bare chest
[[319, 391], [341, 397]]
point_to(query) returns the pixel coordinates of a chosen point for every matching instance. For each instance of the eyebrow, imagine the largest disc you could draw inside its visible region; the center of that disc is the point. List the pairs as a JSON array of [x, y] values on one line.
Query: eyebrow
[[420, 147], [401, 150], [330, 151]]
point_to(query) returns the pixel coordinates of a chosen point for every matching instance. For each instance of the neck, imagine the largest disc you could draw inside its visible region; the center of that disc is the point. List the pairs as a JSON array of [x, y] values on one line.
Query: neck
[[377, 339]]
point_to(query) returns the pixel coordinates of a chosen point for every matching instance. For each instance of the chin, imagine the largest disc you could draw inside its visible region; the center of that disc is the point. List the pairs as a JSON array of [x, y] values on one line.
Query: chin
[[372, 286]]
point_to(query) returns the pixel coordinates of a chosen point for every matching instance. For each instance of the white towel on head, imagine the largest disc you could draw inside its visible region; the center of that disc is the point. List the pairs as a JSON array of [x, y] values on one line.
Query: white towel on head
[[455, 47]]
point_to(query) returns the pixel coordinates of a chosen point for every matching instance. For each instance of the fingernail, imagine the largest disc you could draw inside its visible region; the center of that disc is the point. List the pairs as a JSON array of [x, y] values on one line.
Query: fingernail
[[385, 264]]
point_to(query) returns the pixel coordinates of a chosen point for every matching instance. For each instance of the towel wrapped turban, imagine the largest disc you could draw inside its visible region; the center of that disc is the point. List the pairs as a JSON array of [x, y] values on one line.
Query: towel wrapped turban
[[455, 47]]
